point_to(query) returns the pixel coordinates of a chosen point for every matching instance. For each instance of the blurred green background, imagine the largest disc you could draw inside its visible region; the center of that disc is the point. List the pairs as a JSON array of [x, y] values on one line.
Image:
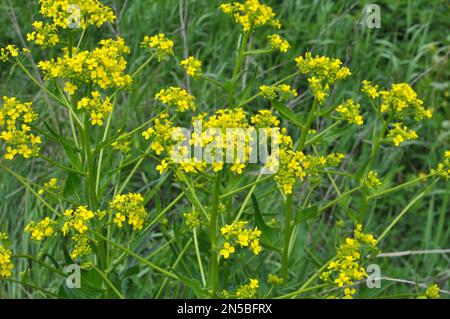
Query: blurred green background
[[411, 46]]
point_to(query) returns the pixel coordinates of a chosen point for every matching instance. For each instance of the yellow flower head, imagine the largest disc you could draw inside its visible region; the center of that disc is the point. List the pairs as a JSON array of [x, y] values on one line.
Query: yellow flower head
[[6, 264], [176, 97], [251, 14], [162, 46], [41, 229], [192, 66], [130, 207], [15, 130], [76, 14], [277, 43]]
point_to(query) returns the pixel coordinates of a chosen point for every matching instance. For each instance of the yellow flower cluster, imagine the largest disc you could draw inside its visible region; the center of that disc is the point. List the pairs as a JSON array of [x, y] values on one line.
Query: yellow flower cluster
[[370, 90], [123, 144], [401, 100], [6, 52], [432, 292], [372, 181], [191, 219], [160, 133], [350, 111], [443, 169], [44, 35], [130, 208], [248, 291], [70, 88], [51, 185], [162, 46], [77, 220], [15, 120], [278, 43], [274, 279], [251, 14], [240, 235], [346, 268], [400, 133], [281, 92], [104, 66], [41, 229], [192, 66], [63, 13], [217, 134], [264, 119], [322, 72], [293, 165], [82, 247], [97, 107], [176, 97], [6, 264]]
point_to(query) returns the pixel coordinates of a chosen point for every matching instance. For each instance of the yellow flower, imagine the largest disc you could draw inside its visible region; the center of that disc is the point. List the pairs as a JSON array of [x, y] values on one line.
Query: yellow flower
[[249, 290], [162, 167], [163, 47], [276, 42], [226, 250], [192, 66], [15, 122], [129, 206], [370, 90], [400, 133], [40, 230], [432, 292], [281, 92], [103, 66], [177, 97], [6, 264], [60, 12], [255, 247], [97, 119], [372, 180], [251, 14], [70, 88], [323, 72], [119, 219], [350, 111], [237, 167]]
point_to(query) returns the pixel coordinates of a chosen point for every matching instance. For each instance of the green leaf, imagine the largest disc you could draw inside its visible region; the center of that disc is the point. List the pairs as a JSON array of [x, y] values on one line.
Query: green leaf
[[90, 286], [306, 214], [268, 234], [194, 284], [287, 113], [71, 186]]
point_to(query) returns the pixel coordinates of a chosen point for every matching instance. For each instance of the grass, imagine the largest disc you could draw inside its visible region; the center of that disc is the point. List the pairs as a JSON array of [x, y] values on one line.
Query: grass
[[411, 46]]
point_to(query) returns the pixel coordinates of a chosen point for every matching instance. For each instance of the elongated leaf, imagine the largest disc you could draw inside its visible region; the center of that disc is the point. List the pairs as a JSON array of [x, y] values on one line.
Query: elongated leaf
[[287, 113], [268, 234]]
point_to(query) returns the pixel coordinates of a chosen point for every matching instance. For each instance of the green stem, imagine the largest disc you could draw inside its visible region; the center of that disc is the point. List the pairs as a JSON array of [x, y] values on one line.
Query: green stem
[[109, 283], [199, 258], [24, 182], [287, 237], [305, 131], [214, 262], [301, 291], [136, 256], [238, 190], [237, 65], [328, 205], [46, 292], [405, 210], [399, 187], [65, 168]]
